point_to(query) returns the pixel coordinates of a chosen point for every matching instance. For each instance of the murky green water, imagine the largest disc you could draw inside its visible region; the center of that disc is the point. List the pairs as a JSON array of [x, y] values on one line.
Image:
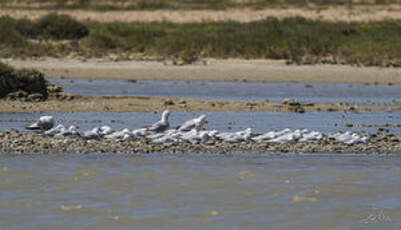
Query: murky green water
[[104, 191], [289, 191]]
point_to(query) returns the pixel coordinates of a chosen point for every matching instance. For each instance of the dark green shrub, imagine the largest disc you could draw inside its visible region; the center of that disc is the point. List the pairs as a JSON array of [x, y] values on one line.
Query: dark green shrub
[[6, 81], [9, 35], [31, 81], [101, 38], [27, 28], [27, 80], [55, 26]]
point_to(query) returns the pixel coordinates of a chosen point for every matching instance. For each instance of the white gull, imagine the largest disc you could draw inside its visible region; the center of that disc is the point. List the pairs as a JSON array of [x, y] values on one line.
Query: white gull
[[124, 134], [44, 123], [161, 125], [93, 134], [196, 123], [349, 138], [312, 136], [56, 130], [239, 136], [72, 130], [105, 130]]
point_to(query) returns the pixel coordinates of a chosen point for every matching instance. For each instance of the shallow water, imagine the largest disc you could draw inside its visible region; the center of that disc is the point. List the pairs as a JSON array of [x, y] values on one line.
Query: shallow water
[[260, 122], [311, 92], [239, 191], [105, 191]]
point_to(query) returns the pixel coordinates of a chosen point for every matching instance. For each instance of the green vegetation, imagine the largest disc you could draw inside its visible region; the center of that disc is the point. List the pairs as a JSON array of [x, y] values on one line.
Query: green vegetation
[[51, 26], [22, 83], [55, 26], [179, 4], [297, 40]]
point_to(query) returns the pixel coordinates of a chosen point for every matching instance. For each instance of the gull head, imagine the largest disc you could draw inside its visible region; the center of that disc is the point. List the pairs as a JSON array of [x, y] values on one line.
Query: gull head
[[44, 123], [202, 121], [165, 114], [202, 118]]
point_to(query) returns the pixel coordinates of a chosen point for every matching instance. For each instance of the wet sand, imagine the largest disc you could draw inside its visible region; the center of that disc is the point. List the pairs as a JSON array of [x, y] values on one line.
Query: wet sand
[[213, 70], [155, 104]]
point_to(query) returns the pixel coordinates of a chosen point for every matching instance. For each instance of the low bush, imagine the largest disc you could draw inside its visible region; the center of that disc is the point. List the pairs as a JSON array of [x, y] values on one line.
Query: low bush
[[55, 26], [10, 37], [51, 26], [27, 80]]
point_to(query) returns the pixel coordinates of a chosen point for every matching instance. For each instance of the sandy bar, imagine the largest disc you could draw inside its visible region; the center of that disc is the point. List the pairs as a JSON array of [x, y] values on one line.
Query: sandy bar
[[338, 13], [214, 70], [157, 104]]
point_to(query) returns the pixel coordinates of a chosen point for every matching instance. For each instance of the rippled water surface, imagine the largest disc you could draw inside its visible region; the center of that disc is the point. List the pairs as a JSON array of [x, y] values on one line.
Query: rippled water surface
[[239, 191], [313, 92], [105, 191]]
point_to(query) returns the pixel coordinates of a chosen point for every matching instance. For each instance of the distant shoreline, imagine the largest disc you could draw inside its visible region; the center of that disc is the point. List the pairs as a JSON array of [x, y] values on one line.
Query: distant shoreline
[[298, 40], [102, 104], [363, 13], [212, 70]]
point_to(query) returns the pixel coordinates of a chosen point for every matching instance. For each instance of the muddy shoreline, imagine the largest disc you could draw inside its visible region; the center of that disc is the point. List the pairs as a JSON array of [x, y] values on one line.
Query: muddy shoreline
[[13, 141], [209, 70], [215, 70], [75, 103], [257, 70]]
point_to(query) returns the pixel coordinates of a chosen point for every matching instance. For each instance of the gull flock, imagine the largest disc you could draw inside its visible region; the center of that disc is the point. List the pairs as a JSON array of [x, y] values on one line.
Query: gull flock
[[191, 131]]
